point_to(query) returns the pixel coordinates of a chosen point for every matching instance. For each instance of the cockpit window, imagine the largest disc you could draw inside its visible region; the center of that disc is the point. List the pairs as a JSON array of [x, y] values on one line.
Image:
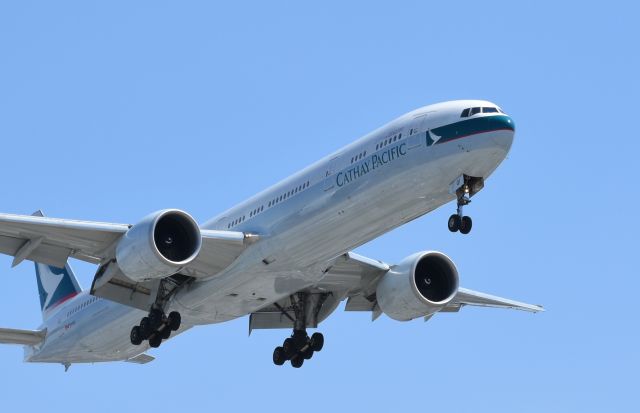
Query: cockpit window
[[489, 110], [474, 111], [465, 113]]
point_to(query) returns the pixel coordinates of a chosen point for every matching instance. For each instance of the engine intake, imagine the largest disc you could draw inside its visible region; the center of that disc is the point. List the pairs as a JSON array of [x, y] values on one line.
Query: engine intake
[[159, 245], [422, 284]]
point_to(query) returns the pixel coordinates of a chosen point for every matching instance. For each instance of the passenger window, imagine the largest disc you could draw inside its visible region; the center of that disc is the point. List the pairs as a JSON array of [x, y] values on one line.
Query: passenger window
[[474, 111], [465, 113]]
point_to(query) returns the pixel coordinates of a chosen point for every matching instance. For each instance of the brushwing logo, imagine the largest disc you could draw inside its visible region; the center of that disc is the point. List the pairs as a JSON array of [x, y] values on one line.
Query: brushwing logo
[[54, 285], [50, 283], [433, 138]]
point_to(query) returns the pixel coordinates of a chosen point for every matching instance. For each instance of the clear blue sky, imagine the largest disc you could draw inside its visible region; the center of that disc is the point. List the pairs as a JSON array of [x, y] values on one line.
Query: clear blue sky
[[108, 112]]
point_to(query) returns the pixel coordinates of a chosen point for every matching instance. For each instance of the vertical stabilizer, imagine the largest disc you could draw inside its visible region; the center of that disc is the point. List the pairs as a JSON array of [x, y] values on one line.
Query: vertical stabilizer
[[55, 285]]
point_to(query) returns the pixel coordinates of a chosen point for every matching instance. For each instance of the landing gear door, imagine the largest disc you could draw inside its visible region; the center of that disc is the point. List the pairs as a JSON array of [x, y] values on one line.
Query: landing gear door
[[329, 175]]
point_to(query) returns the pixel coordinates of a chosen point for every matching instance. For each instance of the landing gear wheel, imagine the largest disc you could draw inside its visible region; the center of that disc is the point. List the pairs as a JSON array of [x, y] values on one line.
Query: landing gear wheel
[[454, 223], [165, 333], [317, 341], [465, 225], [145, 328], [289, 347], [155, 341], [307, 354], [155, 318], [297, 361], [279, 356], [136, 338], [174, 320]]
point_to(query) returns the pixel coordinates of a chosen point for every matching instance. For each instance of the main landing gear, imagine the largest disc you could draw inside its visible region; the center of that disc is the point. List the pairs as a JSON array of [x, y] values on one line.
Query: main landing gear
[[155, 327], [299, 347]]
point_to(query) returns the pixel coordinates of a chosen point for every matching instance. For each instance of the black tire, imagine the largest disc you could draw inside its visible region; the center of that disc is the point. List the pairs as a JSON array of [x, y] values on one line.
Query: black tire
[[145, 328], [289, 347], [279, 356], [465, 225], [454, 223], [155, 319], [165, 333], [317, 341], [307, 354], [136, 338], [174, 320], [297, 361], [155, 341]]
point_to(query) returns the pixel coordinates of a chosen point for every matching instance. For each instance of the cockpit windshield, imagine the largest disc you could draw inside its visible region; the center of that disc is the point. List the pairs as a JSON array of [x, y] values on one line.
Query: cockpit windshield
[[468, 112]]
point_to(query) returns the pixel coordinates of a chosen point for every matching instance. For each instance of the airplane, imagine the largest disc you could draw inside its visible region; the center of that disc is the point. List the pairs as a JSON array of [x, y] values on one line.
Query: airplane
[[284, 257]]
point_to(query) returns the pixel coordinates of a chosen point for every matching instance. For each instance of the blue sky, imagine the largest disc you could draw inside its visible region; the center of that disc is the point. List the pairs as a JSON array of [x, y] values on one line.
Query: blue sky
[[108, 112]]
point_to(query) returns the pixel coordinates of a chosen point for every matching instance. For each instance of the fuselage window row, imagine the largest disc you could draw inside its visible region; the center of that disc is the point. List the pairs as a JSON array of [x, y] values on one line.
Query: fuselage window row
[[81, 306], [388, 141], [273, 202], [236, 222], [358, 156]]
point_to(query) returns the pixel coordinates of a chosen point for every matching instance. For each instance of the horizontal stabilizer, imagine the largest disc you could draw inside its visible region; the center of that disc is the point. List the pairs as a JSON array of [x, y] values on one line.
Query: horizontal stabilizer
[[141, 359], [24, 337]]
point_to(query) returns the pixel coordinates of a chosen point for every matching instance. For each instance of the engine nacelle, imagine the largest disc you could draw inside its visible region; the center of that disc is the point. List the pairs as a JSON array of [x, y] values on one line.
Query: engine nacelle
[[422, 284], [159, 245]]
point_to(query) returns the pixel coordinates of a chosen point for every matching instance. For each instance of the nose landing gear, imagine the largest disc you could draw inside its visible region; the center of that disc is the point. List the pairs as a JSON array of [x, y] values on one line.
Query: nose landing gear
[[459, 221], [464, 187]]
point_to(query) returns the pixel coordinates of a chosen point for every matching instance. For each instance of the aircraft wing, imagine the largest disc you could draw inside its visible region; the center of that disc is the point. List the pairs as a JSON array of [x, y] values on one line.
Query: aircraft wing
[[470, 297], [25, 337], [52, 240], [355, 278]]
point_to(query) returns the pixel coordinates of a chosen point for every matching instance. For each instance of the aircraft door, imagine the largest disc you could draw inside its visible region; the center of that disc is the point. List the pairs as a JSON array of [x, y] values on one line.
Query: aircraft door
[[329, 176], [419, 130], [414, 140]]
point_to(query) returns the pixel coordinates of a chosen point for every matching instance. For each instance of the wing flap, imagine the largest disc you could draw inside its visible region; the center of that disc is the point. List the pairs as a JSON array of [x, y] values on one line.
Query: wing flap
[[24, 337]]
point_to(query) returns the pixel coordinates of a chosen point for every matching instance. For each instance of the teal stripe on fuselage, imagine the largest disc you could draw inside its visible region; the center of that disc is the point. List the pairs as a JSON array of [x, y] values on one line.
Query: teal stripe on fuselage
[[471, 126]]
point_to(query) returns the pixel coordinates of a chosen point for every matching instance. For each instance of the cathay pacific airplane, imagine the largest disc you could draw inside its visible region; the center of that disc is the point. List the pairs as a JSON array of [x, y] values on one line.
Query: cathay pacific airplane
[[283, 257]]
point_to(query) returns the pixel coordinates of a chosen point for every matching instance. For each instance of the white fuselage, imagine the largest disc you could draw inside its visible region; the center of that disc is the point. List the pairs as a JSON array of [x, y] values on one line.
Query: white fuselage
[[383, 180]]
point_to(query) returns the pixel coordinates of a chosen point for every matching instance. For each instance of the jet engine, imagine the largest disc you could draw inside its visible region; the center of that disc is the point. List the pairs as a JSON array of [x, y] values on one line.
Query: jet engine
[[159, 245], [422, 284]]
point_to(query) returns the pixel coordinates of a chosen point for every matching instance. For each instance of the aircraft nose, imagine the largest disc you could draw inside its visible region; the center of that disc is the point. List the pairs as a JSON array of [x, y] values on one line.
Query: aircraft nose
[[506, 131]]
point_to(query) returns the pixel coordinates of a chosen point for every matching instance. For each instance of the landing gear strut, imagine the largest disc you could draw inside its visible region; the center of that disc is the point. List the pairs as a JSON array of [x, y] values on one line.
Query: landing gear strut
[[459, 221], [299, 347], [157, 326], [464, 187]]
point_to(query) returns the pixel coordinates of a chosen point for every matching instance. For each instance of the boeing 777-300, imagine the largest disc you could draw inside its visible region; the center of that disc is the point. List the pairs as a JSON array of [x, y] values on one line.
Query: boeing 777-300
[[283, 257]]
